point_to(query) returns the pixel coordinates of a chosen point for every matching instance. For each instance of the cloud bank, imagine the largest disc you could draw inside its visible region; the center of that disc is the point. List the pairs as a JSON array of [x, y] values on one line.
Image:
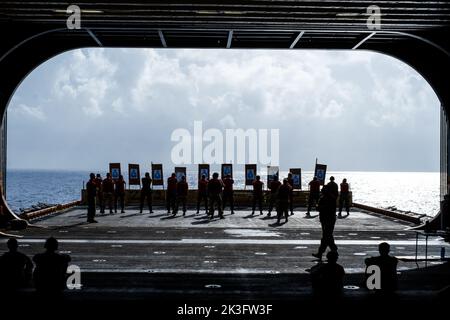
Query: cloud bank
[[352, 110]]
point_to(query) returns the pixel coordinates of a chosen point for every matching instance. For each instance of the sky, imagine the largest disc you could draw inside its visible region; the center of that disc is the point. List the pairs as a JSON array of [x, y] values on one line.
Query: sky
[[353, 110]]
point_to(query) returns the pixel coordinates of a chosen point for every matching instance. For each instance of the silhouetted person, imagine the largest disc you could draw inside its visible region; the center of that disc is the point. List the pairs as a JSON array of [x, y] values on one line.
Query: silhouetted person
[[119, 194], [146, 192], [258, 195], [228, 193], [291, 194], [99, 182], [171, 194], [344, 197], [314, 194], [327, 217], [91, 193], [15, 268], [215, 187], [333, 189], [108, 192], [283, 201], [273, 186], [202, 193], [182, 193], [445, 212], [388, 267], [327, 278], [51, 267]]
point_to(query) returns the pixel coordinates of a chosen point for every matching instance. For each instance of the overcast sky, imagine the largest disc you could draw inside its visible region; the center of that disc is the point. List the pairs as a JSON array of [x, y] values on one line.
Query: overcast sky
[[353, 110]]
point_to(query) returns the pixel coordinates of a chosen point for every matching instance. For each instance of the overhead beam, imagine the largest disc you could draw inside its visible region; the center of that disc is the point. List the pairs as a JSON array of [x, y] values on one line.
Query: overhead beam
[[363, 40], [230, 38], [163, 40], [297, 39], [93, 36]]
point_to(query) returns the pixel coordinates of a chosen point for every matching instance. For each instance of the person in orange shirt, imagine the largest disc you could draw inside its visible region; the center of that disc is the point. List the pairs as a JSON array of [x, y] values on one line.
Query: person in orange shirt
[[273, 186], [344, 198], [171, 194], [314, 194], [108, 192], [202, 194], [283, 201], [257, 194], [182, 192], [228, 192], [91, 192], [119, 194], [146, 192], [98, 181], [291, 194], [215, 187]]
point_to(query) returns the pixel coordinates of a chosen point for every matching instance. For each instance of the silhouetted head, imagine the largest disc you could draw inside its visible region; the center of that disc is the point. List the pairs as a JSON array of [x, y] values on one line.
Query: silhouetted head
[[289, 175], [12, 245], [344, 181], [108, 175], [183, 178], [173, 175], [332, 256], [92, 176], [384, 248], [147, 175], [120, 177], [215, 175], [258, 178], [99, 175], [331, 178], [285, 181], [203, 177], [51, 244], [315, 178]]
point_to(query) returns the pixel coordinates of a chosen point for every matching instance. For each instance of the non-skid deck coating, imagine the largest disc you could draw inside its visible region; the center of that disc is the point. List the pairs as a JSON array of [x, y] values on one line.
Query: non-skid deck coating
[[240, 243]]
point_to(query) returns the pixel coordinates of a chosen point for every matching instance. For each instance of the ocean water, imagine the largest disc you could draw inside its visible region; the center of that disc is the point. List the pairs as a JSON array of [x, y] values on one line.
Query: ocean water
[[414, 191]]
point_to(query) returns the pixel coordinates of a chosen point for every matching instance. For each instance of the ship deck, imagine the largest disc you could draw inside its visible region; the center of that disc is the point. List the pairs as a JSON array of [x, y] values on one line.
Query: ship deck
[[240, 243], [156, 262]]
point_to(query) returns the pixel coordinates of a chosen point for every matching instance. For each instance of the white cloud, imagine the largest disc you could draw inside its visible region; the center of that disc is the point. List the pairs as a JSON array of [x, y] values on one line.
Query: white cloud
[[315, 98], [31, 112], [228, 122], [86, 81]]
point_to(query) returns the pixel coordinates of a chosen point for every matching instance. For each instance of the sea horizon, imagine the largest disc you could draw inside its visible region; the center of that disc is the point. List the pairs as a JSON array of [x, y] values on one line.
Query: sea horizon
[[410, 191]]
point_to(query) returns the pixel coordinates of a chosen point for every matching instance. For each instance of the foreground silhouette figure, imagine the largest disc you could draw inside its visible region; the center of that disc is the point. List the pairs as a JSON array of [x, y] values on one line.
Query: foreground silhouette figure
[[388, 268], [15, 268], [327, 278], [327, 217], [51, 267]]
